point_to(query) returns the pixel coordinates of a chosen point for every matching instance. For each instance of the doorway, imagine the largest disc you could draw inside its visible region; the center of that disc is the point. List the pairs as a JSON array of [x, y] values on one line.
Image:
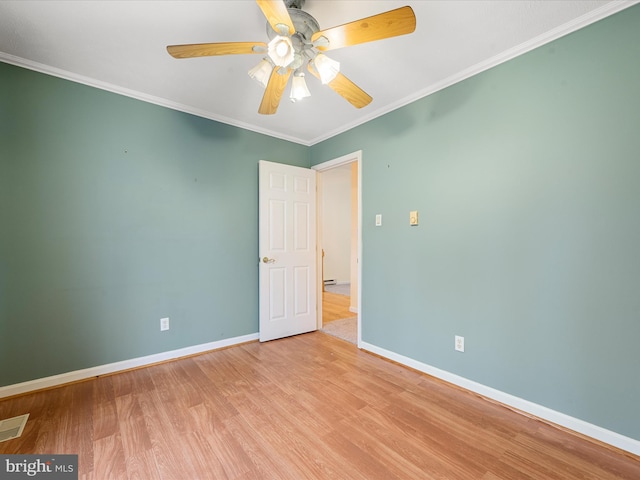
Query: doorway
[[339, 263]]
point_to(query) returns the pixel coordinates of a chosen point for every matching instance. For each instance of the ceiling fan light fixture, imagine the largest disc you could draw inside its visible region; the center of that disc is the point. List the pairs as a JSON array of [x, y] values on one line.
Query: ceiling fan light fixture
[[299, 88], [261, 72], [327, 68], [281, 50]]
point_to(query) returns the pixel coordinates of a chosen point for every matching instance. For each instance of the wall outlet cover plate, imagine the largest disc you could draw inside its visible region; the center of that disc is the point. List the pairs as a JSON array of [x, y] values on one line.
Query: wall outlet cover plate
[[164, 324]]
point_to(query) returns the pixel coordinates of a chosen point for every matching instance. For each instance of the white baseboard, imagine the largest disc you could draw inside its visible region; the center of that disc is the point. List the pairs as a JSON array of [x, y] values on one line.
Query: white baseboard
[[580, 426], [353, 309], [77, 375]]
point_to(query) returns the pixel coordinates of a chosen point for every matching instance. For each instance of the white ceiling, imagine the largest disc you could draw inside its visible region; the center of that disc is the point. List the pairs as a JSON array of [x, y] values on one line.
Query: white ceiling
[[120, 46]]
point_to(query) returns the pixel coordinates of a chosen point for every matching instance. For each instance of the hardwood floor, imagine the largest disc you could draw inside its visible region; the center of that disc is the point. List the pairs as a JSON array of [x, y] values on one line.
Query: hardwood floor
[[335, 307], [305, 407]]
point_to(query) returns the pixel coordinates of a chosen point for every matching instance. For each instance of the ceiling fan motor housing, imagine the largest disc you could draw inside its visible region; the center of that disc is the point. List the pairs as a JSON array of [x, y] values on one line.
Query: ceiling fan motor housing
[[303, 22], [305, 26], [294, 3]]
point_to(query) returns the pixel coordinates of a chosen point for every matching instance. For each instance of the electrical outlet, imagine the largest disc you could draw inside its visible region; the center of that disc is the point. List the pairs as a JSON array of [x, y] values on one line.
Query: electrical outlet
[[164, 324], [459, 345]]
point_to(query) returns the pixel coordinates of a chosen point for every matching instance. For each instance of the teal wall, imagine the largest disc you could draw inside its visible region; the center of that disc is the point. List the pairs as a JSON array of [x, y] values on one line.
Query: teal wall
[[115, 213], [527, 180]]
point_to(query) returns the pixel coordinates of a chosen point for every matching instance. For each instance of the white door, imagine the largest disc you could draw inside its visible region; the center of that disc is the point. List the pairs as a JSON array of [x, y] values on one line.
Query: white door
[[287, 248]]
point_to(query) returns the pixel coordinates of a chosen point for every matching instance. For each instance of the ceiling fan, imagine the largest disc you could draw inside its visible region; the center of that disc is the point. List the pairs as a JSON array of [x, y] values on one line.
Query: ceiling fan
[[296, 42]]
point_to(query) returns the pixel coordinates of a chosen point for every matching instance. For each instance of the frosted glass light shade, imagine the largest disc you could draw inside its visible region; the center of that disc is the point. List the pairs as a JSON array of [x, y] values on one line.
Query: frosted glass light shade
[[327, 68], [299, 88], [261, 72], [281, 51]]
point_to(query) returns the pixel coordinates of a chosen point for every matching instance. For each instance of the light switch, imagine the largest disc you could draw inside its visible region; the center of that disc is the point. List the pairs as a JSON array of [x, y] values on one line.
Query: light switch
[[413, 217], [378, 220]]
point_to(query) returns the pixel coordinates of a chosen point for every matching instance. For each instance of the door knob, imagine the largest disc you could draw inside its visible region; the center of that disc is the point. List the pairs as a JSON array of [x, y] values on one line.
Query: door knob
[[268, 260]]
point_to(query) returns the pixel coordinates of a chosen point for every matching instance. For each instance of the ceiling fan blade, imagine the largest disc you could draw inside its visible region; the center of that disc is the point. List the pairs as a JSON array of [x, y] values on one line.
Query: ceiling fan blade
[[209, 49], [384, 25], [277, 14], [273, 92], [350, 91], [346, 89]]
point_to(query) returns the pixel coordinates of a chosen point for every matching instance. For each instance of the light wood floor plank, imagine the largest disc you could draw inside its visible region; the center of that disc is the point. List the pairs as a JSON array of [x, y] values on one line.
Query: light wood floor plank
[[335, 307], [109, 459], [306, 407]]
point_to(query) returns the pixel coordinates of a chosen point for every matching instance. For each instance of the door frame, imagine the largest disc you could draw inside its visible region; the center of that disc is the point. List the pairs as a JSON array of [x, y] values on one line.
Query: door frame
[[328, 165]]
